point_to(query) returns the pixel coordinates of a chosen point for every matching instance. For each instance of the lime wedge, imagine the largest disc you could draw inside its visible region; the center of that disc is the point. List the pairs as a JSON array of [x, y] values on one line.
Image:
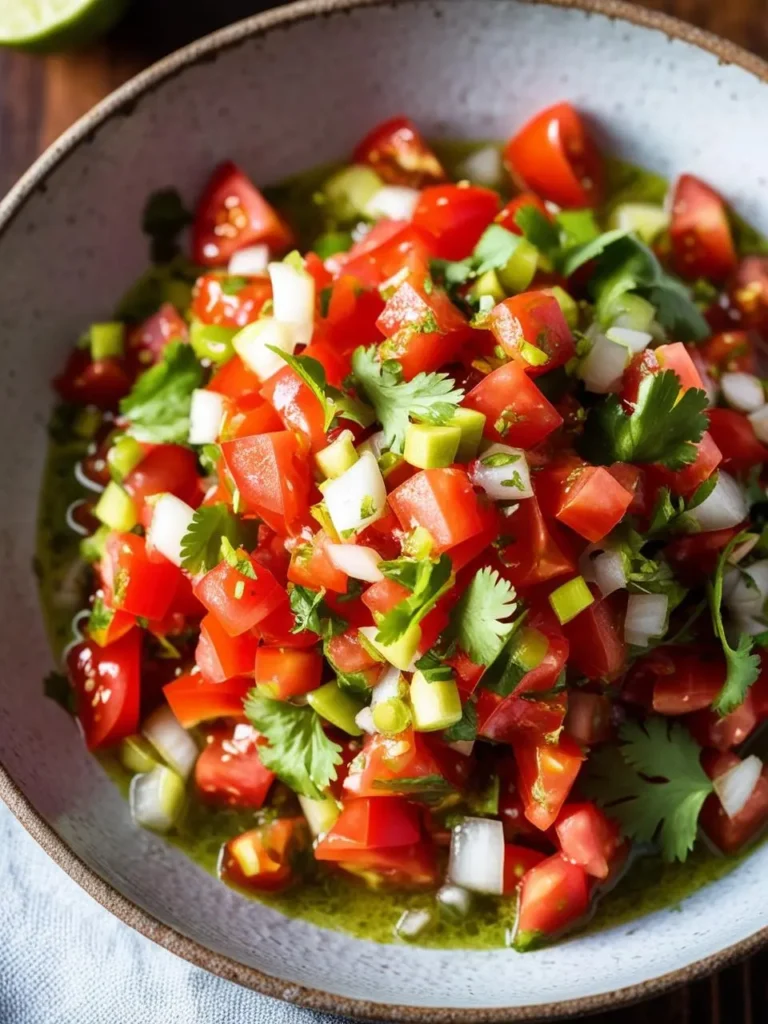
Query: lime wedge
[[42, 25]]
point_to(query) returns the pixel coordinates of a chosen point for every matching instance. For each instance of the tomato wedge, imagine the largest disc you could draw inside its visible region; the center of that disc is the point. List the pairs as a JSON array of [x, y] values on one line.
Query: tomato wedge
[[106, 682], [229, 770], [399, 155], [702, 244], [194, 699], [553, 895]]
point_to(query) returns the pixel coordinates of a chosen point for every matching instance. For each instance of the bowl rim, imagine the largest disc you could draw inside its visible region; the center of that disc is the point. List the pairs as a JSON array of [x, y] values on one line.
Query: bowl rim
[[122, 102]]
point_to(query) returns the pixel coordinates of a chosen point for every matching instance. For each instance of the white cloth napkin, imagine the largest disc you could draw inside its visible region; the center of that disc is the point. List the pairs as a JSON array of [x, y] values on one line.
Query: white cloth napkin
[[64, 959]]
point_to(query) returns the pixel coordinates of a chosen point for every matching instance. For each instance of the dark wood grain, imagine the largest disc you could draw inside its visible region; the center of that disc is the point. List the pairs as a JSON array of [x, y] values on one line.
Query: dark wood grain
[[41, 97]]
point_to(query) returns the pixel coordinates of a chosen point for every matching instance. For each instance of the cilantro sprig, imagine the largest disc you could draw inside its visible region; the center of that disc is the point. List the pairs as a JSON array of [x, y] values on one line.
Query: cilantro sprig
[[210, 526], [312, 613], [426, 579], [332, 401], [432, 397], [158, 406], [480, 622]]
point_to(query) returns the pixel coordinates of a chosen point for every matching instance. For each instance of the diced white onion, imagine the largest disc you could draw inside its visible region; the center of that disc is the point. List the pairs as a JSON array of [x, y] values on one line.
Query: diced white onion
[[759, 421], [723, 508], [496, 480], [602, 368], [396, 202], [387, 687], [171, 740], [477, 855], [736, 786], [293, 300], [463, 747], [156, 799], [483, 167], [743, 391], [412, 923], [254, 343], [364, 721], [635, 341], [171, 518], [609, 572], [646, 617], [205, 415], [376, 444], [358, 489], [249, 262], [455, 900], [746, 590], [357, 561]]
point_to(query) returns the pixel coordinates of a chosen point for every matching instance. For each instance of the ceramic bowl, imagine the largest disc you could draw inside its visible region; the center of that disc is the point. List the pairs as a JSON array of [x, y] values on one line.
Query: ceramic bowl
[[278, 93]]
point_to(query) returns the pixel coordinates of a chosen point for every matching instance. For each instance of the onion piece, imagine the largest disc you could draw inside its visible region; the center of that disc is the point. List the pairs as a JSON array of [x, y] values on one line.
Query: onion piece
[[376, 444], [412, 923], [759, 421], [483, 167], [602, 368], [736, 786], [477, 855], [746, 590], [254, 344], [743, 391], [388, 687], [396, 202], [293, 300], [609, 572], [171, 518], [635, 341], [357, 561], [171, 740], [646, 617], [455, 900], [358, 497], [364, 721], [156, 799], [510, 481], [205, 415], [249, 262], [723, 508]]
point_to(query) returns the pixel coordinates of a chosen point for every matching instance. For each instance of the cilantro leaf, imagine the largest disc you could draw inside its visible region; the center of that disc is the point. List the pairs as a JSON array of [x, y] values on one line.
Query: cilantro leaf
[[429, 396], [663, 428], [433, 668], [201, 544], [479, 622], [653, 783], [299, 752], [158, 405], [743, 666], [580, 255], [237, 558], [312, 613], [332, 401], [577, 227], [164, 218], [99, 620], [465, 730], [538, 229], [427, 581], [494, 250], [671, 516]]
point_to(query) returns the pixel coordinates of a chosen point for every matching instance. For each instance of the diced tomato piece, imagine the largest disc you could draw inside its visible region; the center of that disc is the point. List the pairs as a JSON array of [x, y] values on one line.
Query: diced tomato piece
[[455, 216], [194, 699], [214, 301], [702, 244], [729, 351], [553, 895], [596, 637], [676, 357], [311, 567], [518, 861], [385, 760], [587, 838], [145, 343], [272, 474], [353, 311], [531, 550], [297, 406], [710, 730], [554, 156], [398, 867], [231, 215], [132, 582], [589, 718], [110, 627], [220, 656], [685, 481], [347, 654], [165, 469], [735, 436], [516, 412], [234, 379], [468, 550], [507, 216], [534, 318], [251, 414], [547, 772], [101, 383], [730, 834], [276, 630], [694, 556], [399, 154], [288, 672], [588, 499], [238, 601], [369, 824], [384, 251], [424, 329], [262, 858], [748, 294], [106, 681], [685, 680], [336, 365], [382, 597], [229, 770], [443, 502]]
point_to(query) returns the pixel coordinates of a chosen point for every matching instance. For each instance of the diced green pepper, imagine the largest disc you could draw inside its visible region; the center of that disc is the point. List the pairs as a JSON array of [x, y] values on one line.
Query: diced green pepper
[[434, 705], [488, 284], [418, 543], [212, 341], [471, 424], [520, 268], [331, 243], [348, 191], [337, 707], [533, 355], [531, 648], [92, 548], [646, 220], [124, 455], [107, 340], [137, 754], [628, 310], [571, 599], [401, 653], [431, 447], [337, 457], [116, 509], [391, 716], [321, 815]]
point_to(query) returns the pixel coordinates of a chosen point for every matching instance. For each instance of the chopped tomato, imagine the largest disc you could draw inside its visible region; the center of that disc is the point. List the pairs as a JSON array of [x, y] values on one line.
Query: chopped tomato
[[377, 257], [145, 343], [272, 475], [588, 499], [287, 672], [533, 318], [348, 655], [311, 566], [547, 772], [748, 294], [165, 469], [589, 718], [702, 244], [730, 834], [554, 156], [105, 630], [234, 379], [229, 770], [596, 637], [685, 481], [101, 383], [516, 412], [411, 757], [526, 199], [694, 556], [220, 656], [587, 838], [229, 302], [106, 681], [518, 861], [443, 502], [735, 436], [194, 699], [676, 357], [250, 415], [470, 549], [729, 351], [455, 216], [132, 582], [644, 364], [297, 406], [262, 858], [399, 867], [553, 895], [710, 730], [396, 150], [531, 550], [685, 681], [352, 314], [369, 824], [231, 215], [276, 629], [237, 600]]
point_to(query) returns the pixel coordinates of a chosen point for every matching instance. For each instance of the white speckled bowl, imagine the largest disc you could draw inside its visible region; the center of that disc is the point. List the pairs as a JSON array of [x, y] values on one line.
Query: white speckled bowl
[[278, 93]]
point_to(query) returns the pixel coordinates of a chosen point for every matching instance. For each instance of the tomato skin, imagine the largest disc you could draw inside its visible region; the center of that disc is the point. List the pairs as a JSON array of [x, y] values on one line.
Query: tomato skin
[[102, 383], [729, 351], [234, 379], [396, 150], [133, 583], [455, 216], [535, 318], [587, 838], [588, 499], [231, 215], [443, 501], [554, 156], [369, 824], [596, 638], [730, 834], [685, 481], [272, 475], [310, 566], [238, 609], [735, 436], [194, 699], [518, 861], [106, 681], [553, 895], [507, 216], [288, 672], [644, 364], [297, 406], [388, 246], [220, 656], [748, 293], [516, 412], [251, 414], [466, 552], [408, 755], [685, 680], [677, 358], [271, 848], [229, 770], [352, 314], [165, 469], [275, 629], [588, 721], [547, 772], [214, 303], [710, 730], [694, 556], [700, 236], [145, 344], [538, 551]]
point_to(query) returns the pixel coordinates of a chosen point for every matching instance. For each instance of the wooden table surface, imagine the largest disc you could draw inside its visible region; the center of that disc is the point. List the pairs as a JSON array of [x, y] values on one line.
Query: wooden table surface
[[40, 97]]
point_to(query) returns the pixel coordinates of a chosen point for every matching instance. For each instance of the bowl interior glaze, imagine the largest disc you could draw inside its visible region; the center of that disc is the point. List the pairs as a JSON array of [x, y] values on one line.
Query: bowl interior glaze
[[278, 94]]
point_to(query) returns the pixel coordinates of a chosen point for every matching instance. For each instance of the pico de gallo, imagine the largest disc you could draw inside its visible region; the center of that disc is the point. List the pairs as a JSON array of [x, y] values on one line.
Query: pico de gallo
[[426, 529]]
